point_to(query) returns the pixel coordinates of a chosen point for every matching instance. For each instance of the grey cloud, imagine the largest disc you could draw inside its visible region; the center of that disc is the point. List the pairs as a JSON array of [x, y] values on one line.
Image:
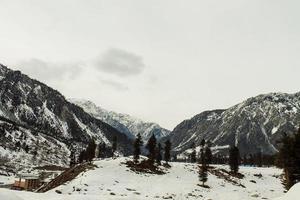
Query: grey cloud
[[49, 71], [120, 62], [115, 85]]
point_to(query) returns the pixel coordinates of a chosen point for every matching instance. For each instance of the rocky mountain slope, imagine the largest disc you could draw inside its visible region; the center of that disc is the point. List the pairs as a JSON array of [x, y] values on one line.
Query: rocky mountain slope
[[253, 125], [30, 103], [127, 124], [22, 148]]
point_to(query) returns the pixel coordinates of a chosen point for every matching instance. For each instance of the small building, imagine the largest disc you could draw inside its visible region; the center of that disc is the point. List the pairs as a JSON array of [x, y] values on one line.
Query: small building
[[27, 182]]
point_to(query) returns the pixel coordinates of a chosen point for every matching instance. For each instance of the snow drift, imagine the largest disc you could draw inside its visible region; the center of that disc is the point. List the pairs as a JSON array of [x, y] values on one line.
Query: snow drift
[[292, 194]]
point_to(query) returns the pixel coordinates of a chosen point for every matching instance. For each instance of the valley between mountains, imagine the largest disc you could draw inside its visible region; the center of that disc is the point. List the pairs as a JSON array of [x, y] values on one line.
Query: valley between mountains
[[41, 131]]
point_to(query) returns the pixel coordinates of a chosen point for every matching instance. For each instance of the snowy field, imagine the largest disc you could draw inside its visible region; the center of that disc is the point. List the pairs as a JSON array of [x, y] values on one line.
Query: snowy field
[[113, 180], [4, 180]]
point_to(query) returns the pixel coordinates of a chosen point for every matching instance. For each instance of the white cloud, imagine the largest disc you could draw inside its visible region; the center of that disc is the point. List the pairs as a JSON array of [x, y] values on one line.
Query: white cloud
[[49, 71], [120, 62]]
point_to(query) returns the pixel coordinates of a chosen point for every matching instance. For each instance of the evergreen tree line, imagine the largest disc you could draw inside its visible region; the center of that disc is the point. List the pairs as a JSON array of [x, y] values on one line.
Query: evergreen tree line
[[257, 159], [206, 159], [156, 153], [287, 158], [205, 149], [94, 151]]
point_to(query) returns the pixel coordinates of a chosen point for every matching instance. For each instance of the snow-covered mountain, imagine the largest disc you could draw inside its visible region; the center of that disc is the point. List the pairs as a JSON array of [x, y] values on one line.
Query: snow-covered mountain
[[255, 124], [123, 122], [32, 104], [22, 148]]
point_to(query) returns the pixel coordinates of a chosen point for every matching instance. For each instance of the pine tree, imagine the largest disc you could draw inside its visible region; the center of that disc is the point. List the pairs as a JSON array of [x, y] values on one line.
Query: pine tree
[[137, 148], [289, 159], [193, 154], [99, 150], [102, 152], [234, 156], [114, 145], [167, 149], [297, 156], [202, 143], [72, 158], [158, 154], [202, 168], [208, 155], [151, 147], [259, 159], [91, 150], [288, 162], [82, 157], [245, 159]]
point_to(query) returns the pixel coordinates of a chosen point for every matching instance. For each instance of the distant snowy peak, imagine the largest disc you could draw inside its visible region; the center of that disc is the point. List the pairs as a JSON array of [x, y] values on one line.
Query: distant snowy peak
[[253, 125], [123, 122], [88, 106]]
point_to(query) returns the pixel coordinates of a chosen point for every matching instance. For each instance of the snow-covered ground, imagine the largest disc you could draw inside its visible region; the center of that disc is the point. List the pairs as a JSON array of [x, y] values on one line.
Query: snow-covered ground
[[4, 180], [292, 194], [113, 180]]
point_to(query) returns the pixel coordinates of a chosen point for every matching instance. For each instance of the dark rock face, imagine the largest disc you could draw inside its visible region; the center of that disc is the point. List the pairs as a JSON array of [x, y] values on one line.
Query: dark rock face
[[31, 103], [253, 125]]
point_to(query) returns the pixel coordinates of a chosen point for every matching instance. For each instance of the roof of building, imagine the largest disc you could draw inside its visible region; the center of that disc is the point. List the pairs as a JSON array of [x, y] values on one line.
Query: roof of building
[[28, 176]]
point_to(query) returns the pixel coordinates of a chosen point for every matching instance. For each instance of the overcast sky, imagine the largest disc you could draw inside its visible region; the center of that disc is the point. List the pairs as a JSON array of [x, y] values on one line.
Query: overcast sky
[[160, 60]]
